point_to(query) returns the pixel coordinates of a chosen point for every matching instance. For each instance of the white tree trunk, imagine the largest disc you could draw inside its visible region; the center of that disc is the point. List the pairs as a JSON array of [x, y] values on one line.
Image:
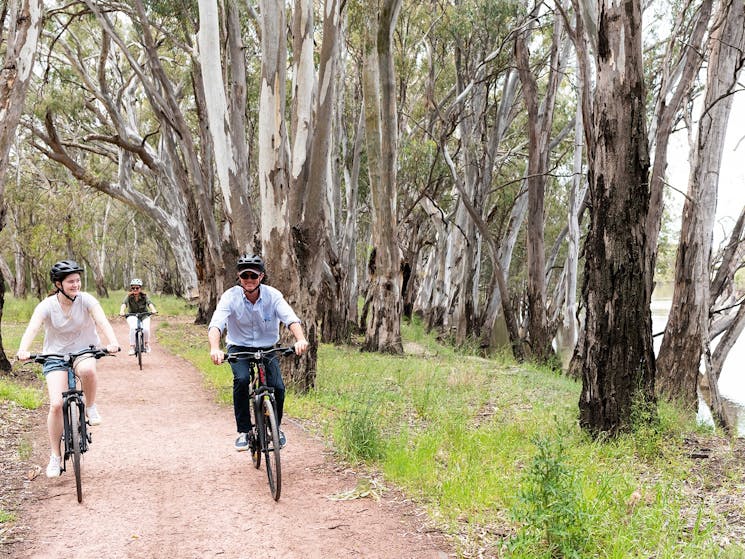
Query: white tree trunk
[[25, 20], [687, 328]]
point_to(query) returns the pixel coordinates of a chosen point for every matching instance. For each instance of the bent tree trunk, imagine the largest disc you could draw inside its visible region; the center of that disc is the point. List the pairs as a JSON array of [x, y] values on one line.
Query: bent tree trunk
[[687, 330], [618, 359]]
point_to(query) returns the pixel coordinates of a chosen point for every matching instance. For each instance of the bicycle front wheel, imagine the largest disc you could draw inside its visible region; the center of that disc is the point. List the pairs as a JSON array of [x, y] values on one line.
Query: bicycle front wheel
[[257, 442], [76, 439], [271, 449], [139, 347]]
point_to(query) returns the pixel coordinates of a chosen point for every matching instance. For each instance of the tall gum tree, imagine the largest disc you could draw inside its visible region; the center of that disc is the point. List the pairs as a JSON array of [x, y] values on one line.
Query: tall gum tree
[[24, 28], [618, 366], [383, 329]]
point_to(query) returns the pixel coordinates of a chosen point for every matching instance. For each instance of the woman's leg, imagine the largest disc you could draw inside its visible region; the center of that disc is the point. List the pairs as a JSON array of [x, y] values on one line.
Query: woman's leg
[[132, 321], [146, 331], [86, 370], [56, 384]]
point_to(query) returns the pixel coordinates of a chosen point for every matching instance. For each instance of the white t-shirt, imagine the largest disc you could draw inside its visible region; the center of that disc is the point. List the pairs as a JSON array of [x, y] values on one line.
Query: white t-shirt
[[68, 333]]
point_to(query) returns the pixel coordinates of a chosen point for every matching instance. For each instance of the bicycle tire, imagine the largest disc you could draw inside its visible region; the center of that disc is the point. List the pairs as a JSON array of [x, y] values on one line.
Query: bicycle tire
[[75, 431], [271, 450], [139, 347], [258, 439]]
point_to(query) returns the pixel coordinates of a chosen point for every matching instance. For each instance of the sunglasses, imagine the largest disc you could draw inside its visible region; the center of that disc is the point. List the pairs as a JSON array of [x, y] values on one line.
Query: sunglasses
[[249, 275], [135, 288]]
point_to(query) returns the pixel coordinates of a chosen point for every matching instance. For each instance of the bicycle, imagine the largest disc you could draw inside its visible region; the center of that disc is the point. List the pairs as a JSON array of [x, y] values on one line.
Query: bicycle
[[139, 335], [264, 435], [74, 424]]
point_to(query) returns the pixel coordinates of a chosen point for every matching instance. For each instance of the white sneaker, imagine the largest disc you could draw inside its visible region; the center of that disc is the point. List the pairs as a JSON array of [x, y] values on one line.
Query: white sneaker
[[131, 351], [53, 469], [94, 418]]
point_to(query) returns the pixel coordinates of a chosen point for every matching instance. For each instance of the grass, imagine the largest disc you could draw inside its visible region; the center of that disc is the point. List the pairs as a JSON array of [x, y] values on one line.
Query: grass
[[492, 451], [29, 398]]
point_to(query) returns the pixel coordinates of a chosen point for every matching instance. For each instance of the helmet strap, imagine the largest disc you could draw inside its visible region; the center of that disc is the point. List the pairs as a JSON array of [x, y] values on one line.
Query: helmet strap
[[60, 290], [250, 291]]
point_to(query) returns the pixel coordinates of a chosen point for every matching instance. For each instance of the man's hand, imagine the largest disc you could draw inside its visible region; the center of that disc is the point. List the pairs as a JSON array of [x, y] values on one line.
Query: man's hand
[[217, 356], [23, 355], [301, 346]]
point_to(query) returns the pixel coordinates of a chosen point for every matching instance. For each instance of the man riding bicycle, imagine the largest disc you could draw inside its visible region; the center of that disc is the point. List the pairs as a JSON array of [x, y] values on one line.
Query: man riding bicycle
[[251, 312]]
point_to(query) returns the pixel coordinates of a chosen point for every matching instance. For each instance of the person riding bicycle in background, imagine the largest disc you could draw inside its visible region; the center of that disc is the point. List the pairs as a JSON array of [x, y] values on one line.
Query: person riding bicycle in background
[[137, 301], [251, 312], [71, 320]]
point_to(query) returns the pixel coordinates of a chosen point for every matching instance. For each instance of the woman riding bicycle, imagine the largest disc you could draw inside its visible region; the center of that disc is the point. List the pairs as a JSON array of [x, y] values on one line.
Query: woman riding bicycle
[[71, 320], [251, 312], [137, 301]]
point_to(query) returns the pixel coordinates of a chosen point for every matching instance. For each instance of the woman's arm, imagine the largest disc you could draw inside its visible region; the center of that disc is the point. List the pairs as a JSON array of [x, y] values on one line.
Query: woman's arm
[[103, 324], [30, 334]]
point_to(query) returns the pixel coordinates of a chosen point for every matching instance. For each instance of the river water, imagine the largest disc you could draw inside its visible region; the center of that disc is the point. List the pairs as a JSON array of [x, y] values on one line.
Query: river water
[[731, 381]]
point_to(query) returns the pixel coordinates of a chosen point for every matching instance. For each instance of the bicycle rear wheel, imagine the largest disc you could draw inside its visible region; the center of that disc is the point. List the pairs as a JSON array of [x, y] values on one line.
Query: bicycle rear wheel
[[271, 449], [75, 430], [139, 347]]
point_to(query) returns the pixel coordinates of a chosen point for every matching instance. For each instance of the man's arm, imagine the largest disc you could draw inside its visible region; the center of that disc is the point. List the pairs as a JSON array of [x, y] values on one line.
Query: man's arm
[[301, 344]]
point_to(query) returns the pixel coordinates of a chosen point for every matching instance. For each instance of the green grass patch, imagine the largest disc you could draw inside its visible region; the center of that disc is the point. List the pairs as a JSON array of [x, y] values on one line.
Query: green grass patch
[[492, 450], [6, 516], [29, 398]]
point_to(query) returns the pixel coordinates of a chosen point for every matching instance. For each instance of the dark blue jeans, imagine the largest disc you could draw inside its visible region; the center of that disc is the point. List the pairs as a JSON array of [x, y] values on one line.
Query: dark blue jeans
[[241, 381]]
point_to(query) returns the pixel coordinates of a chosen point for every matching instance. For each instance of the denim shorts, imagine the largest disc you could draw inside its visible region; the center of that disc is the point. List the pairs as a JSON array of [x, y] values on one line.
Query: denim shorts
[[53, 365]]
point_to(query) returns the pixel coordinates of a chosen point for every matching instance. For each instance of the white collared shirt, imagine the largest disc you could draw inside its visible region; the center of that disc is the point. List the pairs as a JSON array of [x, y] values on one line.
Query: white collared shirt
[[252, 324]]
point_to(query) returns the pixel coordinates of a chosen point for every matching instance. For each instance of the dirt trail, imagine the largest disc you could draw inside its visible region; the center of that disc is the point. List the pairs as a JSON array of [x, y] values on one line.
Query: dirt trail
[[162, 480]]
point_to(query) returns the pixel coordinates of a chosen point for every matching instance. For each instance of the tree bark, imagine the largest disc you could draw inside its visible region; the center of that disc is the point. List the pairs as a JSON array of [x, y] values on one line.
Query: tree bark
[[618, 365], [383, 331]]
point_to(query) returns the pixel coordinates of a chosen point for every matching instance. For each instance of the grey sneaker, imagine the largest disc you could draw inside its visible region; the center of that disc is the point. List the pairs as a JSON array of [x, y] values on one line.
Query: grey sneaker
[[94, 418], [241, 443], [53, 469], [282, 439]]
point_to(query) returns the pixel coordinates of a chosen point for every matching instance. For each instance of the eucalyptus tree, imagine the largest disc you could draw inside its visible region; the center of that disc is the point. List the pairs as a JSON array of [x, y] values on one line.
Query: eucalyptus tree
[[383, 329], [618, 367], [472, 106], [24, 27], [155, 156], [540, 126], [295, 164], [226, 115], [687, 332]]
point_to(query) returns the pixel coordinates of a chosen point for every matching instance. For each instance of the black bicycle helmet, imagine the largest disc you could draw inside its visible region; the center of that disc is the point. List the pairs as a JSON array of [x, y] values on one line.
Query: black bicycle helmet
[[64, 268], [250, 261]]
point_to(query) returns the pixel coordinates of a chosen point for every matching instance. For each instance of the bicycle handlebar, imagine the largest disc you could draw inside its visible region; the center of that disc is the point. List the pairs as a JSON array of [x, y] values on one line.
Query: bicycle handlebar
[[94, 351], [257, 355], [139, 315]]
